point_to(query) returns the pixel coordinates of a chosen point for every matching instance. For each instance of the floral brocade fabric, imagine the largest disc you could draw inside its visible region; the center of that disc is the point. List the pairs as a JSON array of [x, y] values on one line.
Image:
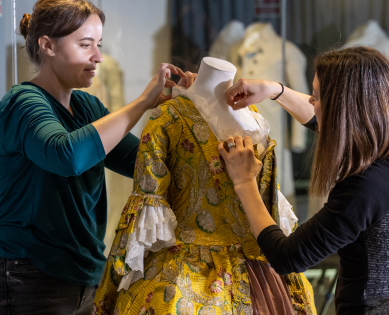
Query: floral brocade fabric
[[178, 166]]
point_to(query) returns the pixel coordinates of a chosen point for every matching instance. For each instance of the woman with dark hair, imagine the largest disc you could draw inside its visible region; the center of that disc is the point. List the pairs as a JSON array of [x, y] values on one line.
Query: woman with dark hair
[[54, 145], [349, 108]]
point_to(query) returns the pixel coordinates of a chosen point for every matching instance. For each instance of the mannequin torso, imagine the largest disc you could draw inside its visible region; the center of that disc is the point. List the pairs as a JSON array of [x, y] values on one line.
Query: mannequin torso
[[215, 76], [371, 35]]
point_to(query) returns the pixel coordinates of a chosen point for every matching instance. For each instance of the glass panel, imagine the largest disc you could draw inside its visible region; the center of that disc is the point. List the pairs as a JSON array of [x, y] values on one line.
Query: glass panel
[[13, 60], [5, 46]]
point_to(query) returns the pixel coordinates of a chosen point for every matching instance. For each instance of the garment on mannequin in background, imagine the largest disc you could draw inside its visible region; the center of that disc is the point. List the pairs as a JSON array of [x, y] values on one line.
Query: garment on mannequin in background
[[185, 218], [107, 86], [228, 36], [259, 56], [371, 35]]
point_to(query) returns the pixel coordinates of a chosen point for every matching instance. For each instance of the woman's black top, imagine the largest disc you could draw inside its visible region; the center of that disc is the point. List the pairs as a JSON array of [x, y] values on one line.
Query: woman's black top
[[355, 223]]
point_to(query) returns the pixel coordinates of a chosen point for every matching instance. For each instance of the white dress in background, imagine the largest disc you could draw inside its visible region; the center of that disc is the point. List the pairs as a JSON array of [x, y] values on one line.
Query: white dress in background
[[371, 35], [259, 56]]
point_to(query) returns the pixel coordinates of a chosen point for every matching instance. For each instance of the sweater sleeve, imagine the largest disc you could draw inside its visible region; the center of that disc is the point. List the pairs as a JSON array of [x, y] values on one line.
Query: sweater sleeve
[[31, 128], [122, 158], [354, 204]]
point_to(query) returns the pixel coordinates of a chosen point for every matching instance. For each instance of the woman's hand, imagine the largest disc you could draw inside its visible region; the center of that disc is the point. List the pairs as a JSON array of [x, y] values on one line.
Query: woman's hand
[[247, 92], [188, 80], [242, 165], [152, 96]]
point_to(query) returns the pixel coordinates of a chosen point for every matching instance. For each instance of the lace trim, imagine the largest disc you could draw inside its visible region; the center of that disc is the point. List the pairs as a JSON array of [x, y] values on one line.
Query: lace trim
[[260, 128], [287, 217], [153, 230]]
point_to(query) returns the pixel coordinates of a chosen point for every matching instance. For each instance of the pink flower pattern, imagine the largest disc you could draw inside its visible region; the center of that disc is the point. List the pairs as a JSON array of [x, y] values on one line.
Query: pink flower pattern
[[174, 249], [216, 286], [143, 310], [215, 165], [226, 276], [149, 297], [187, 146], [217, 184], [146, 138]]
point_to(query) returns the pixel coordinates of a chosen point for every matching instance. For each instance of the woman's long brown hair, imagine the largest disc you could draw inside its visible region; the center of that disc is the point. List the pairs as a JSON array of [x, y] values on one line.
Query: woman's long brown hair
[[354, 128]]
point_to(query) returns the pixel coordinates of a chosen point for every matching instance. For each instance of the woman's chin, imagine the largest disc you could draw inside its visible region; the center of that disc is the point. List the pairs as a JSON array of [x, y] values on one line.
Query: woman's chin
[[84, 84]]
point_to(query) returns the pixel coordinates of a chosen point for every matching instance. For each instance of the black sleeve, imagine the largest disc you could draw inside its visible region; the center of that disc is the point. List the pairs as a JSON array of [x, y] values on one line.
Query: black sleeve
[[312, 124], [354, 204]]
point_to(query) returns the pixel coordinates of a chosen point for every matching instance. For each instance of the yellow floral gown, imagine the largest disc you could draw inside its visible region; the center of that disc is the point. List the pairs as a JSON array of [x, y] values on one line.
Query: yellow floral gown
[[203, 270]]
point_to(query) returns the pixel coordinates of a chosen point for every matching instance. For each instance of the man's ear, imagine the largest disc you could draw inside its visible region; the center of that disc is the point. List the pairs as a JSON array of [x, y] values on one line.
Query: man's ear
[[47, 45]]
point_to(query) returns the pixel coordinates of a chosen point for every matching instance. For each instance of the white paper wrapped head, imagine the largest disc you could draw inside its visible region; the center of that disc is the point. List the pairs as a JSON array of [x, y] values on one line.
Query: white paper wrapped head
[[207, 93]]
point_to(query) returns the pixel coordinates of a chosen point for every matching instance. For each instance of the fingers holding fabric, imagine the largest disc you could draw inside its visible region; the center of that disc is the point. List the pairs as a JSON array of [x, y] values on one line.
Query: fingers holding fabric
[[187, 80], [241, 163]]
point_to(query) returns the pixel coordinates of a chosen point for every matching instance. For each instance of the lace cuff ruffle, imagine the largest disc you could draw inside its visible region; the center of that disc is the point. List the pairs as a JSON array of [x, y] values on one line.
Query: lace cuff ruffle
[[153, 230], [287, 217]]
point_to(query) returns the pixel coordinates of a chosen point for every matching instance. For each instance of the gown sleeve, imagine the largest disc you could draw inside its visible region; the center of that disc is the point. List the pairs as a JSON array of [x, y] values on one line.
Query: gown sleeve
[[148, 215]]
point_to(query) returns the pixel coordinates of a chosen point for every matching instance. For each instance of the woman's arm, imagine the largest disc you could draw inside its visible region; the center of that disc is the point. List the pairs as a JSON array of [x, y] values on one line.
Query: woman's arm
[[122, 158], [247, 92], [30, 127], [113, 127], [353, 205]]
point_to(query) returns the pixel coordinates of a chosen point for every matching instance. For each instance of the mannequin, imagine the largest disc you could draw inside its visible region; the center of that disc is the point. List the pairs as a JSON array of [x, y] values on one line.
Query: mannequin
[[183, 243], [214, 78], [230, 34], [371, 35]]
